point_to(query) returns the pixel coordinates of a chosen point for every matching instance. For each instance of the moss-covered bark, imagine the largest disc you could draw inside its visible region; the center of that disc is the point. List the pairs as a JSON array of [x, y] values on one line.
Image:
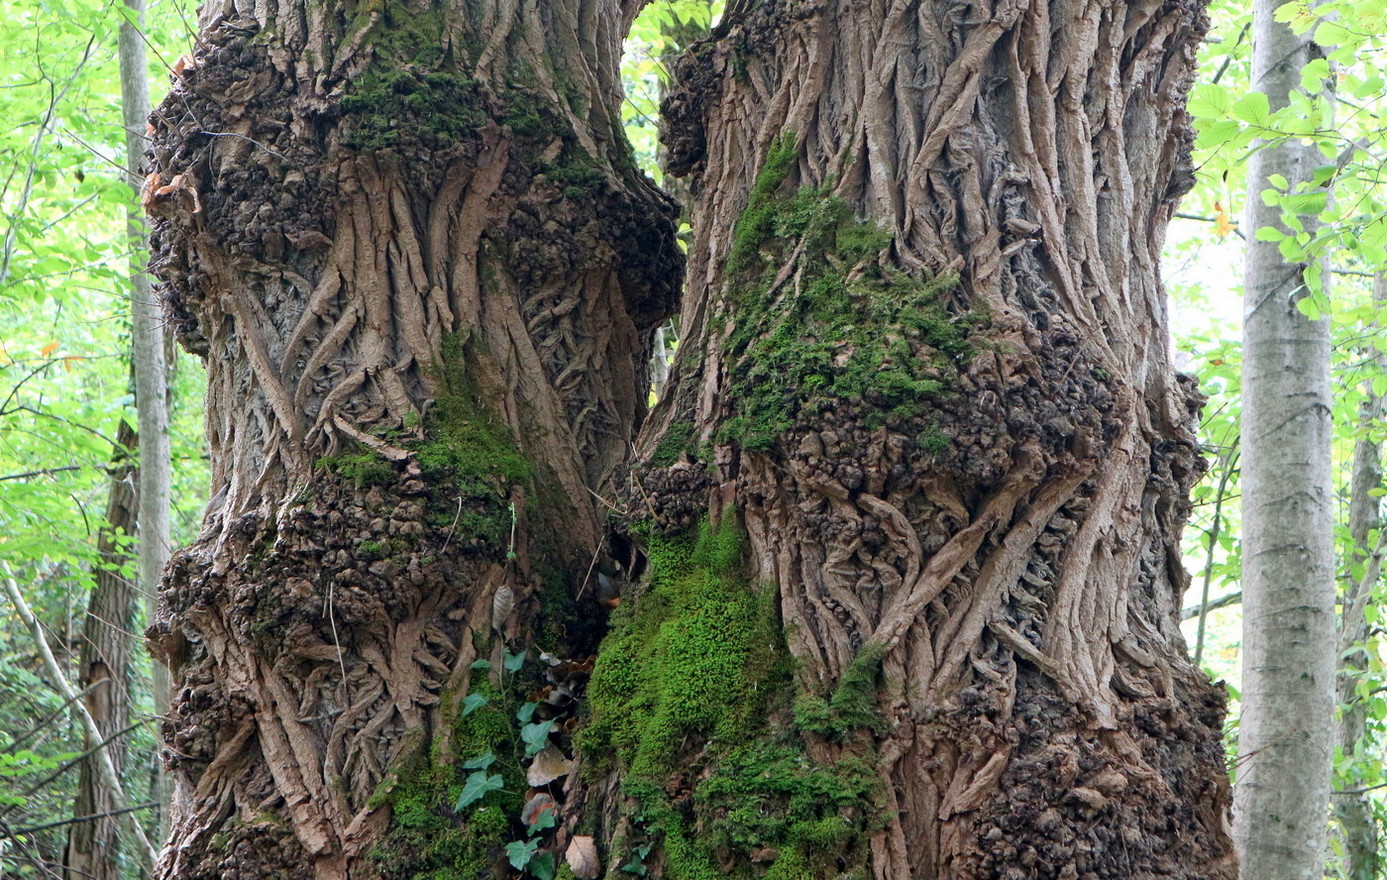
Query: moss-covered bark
[[409, 242], [924, 367]]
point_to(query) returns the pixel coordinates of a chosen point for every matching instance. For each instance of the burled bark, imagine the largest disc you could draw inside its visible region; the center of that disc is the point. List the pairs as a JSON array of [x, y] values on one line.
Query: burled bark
[[1022, 578], [379, 224], [1286, 734]]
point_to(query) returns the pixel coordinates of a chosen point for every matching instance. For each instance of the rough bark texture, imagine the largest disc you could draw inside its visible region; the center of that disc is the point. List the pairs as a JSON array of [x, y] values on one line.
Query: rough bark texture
[[1354, 811], [409, 243], [94, 848], [924, 369], [1286, 736]]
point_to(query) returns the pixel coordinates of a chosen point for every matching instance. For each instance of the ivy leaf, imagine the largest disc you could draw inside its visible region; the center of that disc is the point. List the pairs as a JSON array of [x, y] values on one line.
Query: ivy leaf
[[513, 662], [480, 763], [473, 702], [536, 736], [481, 664], [526, 712], [478, 786], [520, 852], [542, 866]]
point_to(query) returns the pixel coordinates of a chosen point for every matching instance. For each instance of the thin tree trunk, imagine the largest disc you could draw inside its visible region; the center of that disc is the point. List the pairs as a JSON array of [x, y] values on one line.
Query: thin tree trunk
[[1286, 736], [148, 346], [110, 779], [104, 669], [410, 244], [1362, 572], [924, 367]]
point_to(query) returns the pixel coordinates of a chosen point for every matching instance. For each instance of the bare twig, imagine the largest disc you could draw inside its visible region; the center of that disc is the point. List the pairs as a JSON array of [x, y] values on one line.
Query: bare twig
[[92, 818], [104, 765]]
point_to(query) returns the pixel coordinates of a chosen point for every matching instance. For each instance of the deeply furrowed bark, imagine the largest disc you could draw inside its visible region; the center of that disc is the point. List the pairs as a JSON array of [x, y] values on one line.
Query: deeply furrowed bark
[[408, 242], [94, 848], [925, 255]]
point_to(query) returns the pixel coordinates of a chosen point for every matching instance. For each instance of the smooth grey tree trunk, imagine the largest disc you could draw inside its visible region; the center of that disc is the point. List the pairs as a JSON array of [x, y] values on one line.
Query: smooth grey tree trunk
[[1363, 569], [151, 368], [1286, 741]]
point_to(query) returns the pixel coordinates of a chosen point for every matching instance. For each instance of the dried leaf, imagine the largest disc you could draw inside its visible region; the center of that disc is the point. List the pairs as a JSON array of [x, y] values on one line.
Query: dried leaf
[[501, 606], [550, 764], [537, 808], [581, 856]]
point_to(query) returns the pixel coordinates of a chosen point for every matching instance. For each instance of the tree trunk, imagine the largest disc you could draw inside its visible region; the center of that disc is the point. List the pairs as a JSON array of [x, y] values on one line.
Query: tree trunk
[[409, 243], [94, 848], [1285, 740], [1362, 571], [148, 346], [924, 372]]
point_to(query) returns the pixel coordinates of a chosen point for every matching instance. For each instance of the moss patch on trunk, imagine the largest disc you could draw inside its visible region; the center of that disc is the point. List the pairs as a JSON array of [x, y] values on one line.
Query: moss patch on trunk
[[820, 319], [690, 699]]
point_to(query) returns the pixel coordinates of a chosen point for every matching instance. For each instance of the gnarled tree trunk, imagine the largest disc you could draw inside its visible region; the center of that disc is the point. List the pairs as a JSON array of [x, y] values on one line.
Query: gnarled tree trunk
[[410, 245], [925, 369]]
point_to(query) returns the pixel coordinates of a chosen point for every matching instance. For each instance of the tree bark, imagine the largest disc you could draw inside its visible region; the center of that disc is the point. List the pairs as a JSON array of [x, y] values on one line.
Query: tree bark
[[1286, 736], [411, 247], [924, 368], [148, 344], [1362, 572], [94, 848]]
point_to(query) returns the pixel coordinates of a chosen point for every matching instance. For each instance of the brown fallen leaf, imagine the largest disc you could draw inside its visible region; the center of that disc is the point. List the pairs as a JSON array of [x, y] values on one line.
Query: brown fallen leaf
[[581, 856], [550, 764]]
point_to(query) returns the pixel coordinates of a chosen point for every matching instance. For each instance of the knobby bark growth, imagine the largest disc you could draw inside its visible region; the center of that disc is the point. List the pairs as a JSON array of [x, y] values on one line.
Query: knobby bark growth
[[896, 574], [1286, 735], [409, 242], [924, 367]]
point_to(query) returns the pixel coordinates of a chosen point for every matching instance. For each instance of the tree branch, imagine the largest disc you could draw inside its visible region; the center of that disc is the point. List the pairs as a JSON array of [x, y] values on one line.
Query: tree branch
[[108, 770]]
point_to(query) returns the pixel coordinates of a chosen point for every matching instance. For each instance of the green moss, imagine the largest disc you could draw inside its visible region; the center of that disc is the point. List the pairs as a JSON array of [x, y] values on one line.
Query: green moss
[[678, 441], [682, 694], [428, 839], [388, 105], [852, 332], [852, 707], [360, 466]]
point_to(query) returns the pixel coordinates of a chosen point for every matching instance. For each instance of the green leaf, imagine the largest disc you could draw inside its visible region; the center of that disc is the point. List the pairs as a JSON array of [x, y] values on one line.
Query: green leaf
[[481, 664], [526, 712], [473, 702], [513, 662], [478, 786], [1306, 204], [542, 866], [1313, 75], [480, 763], [1269, 233], [535, 736], [1210, 101], [1279, 181], [520, 852], [1253, 108]]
